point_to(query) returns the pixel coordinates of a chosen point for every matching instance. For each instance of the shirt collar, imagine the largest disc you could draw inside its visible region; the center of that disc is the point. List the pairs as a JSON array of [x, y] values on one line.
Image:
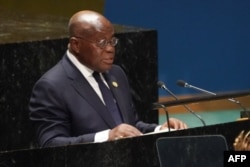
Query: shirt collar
[[87, 72]]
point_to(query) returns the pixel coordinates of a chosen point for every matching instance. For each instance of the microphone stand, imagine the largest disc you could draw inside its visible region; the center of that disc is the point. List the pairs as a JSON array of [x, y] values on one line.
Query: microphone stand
[[166, 113], [243, 114], [191, 111]]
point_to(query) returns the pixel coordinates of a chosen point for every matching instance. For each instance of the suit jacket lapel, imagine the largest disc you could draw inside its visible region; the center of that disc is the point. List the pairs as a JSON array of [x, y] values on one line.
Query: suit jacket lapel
[[82, 86]]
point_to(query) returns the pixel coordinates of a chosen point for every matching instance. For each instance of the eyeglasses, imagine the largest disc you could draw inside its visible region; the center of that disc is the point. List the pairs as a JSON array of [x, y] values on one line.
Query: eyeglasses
[[103, 43]]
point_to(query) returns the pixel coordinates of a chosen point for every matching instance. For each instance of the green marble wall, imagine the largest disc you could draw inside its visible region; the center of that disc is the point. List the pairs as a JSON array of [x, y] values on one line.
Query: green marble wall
[[52, 7]]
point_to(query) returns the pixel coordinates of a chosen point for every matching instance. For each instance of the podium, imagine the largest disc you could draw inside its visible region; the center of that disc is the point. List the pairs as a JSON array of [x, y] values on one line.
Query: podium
[[128, 152]]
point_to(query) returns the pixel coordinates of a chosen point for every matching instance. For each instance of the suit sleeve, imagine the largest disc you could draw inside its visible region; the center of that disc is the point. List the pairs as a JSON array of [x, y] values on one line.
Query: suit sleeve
[[50, 117]]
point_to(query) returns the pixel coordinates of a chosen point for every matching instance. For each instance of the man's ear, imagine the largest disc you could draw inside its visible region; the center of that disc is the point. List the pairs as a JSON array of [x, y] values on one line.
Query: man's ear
[[74, 44]]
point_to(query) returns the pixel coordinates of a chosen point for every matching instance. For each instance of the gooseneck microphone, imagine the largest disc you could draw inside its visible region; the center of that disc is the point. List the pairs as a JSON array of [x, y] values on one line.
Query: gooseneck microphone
[[185, 84], [163, 86], [166, 113]]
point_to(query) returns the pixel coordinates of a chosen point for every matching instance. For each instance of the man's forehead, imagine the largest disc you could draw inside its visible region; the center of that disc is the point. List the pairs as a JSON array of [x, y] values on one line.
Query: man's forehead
[[92, 20]]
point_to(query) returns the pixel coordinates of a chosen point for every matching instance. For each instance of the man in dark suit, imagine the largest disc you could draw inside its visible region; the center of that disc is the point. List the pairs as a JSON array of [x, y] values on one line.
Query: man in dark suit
[[68, 106]]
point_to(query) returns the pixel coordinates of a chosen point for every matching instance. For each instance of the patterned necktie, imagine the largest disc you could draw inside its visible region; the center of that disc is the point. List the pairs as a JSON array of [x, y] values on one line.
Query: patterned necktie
[[108, 99]]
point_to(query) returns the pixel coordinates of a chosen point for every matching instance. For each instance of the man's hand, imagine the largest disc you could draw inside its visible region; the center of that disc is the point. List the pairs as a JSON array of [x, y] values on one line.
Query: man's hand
[[174, 124], [123, 130]]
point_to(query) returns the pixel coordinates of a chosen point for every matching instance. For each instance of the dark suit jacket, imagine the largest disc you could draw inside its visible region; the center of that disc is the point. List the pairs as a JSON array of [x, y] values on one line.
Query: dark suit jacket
[[65, 109]]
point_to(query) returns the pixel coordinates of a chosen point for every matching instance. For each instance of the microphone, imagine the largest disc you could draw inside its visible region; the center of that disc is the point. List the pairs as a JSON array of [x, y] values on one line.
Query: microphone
[[166, 113], [163, 86], [185, 84]]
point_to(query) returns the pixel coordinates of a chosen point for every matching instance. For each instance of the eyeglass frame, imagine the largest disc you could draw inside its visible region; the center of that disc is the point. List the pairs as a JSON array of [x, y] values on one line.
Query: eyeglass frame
[[98, 42]]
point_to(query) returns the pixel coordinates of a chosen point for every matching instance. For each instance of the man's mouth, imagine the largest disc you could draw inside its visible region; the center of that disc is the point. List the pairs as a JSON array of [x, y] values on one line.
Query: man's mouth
[[108, 61]]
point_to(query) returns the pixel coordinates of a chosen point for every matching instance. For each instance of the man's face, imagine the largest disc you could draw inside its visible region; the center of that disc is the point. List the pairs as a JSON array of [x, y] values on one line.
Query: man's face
[[92, 55]]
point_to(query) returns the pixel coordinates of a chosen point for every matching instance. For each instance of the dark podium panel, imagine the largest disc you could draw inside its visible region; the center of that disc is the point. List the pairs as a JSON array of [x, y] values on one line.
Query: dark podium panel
[[195, 151], [129, 152]]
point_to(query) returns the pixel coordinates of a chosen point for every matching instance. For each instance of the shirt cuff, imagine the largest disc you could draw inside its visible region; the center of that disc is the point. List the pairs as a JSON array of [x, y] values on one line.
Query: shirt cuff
[[157, 129], [102, 136]]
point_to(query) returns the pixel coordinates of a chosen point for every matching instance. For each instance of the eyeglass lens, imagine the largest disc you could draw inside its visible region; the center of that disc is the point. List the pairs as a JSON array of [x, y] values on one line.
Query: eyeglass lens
[[103, 43]]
